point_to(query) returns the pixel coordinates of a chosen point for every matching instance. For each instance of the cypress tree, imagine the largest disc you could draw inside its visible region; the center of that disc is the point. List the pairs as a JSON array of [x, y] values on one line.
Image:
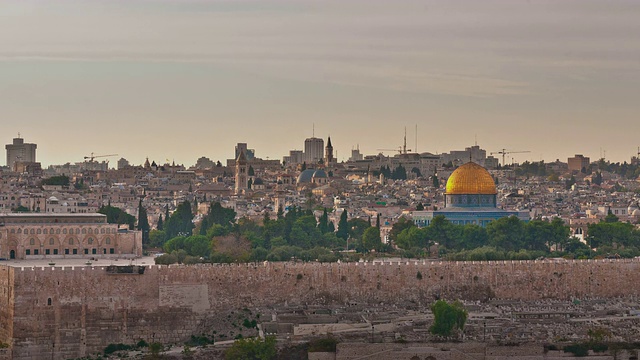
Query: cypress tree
[[323, 223], [160, 223], [143, 222], [331, 228], [378, 221], [280, 213], [343, 226]]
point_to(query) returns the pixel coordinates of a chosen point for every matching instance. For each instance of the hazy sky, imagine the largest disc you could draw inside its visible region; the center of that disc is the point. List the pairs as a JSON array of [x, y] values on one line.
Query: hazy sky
[[190, 78]]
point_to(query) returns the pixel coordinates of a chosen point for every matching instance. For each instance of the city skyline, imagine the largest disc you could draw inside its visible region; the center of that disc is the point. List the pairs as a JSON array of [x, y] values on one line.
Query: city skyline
[[181, 80]]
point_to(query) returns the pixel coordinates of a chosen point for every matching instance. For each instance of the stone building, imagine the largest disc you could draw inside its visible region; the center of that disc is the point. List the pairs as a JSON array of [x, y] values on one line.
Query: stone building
[[19, 151], [52, 236], [578, 162]]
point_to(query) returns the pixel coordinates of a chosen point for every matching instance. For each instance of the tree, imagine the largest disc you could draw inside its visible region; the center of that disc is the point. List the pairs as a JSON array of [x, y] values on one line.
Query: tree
[[473, 236], [323, 222], [412, 237], [371, 239], [252, 348], [118, 216], [507, 233], [419, 207], [251, 172], [331, 228], [401, 224], [180, 222], [436, 181], [143, 223], [160, 223], [447, 318], [598, 178], [378, 221], [343, 226], [280, 213], [443, 232], [61, 180], [400, 173], [157, 238]]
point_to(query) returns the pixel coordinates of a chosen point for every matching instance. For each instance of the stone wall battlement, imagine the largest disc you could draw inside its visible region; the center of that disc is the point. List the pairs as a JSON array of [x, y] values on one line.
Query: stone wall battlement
[[306, 265]]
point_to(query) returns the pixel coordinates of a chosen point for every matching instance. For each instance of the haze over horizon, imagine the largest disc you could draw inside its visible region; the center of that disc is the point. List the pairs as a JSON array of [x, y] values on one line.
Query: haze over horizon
[[179, 80]]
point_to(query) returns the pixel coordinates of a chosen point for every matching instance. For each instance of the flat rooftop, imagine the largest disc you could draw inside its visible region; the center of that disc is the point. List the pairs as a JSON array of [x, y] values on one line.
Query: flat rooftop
[[145, 260], [50, 215]]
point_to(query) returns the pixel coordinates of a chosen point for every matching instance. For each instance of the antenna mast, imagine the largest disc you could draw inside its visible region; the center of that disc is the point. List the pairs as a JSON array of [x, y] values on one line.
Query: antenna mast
[[404, 147]]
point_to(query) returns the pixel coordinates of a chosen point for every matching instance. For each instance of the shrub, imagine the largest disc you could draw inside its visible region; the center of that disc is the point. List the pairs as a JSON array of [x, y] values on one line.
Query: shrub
[[577, 349], [111, 348]]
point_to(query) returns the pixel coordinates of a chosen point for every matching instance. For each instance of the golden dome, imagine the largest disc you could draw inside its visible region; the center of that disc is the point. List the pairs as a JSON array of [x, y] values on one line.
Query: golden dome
[[471, 178]]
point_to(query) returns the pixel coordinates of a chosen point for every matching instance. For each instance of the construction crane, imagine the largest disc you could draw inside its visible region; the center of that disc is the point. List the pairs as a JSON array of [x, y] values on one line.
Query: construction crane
[[90, 158], [401, 149], [504, 152]]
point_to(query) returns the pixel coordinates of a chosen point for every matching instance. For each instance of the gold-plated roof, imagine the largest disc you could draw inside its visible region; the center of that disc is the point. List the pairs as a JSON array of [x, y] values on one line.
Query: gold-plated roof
[[471, 178]]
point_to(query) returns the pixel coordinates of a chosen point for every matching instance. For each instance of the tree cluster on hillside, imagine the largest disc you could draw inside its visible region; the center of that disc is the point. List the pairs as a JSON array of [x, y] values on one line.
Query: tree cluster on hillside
[[297, 234], [294, 235], [61, 180], [511, 238]]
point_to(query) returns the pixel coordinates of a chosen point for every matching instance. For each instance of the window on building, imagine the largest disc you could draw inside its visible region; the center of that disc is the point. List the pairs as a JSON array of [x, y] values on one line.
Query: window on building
[[71, 241], [112, 251], [90, 241], [19, 231], [45, 231], [51, 241], [57, 231], [64, 231], [66, 251], [55, 251], [84, 231], [36, 251], [39, 231], [108, 241], [94, 251], [32, 242], [104, 250], [102, 231], [28, 252], [86, 251], [47, 251], [49, 301]]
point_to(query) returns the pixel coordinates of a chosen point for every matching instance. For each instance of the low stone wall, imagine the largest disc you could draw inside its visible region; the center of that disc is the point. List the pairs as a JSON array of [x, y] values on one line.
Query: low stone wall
[[62, 313]]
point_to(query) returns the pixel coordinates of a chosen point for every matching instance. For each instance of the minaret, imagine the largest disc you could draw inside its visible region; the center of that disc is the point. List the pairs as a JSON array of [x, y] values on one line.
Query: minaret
[[241, 173], [328, 152]]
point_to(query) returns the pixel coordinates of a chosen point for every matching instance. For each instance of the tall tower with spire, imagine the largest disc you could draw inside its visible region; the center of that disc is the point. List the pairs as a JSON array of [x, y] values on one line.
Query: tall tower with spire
[[328, 152], [241, 174]]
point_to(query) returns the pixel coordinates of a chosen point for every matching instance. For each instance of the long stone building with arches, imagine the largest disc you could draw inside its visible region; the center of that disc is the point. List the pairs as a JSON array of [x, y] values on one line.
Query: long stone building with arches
[[56, 236]]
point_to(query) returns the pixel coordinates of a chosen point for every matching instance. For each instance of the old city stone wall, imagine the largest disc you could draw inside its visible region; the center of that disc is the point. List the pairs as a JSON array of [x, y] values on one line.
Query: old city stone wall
[[64, 313]]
